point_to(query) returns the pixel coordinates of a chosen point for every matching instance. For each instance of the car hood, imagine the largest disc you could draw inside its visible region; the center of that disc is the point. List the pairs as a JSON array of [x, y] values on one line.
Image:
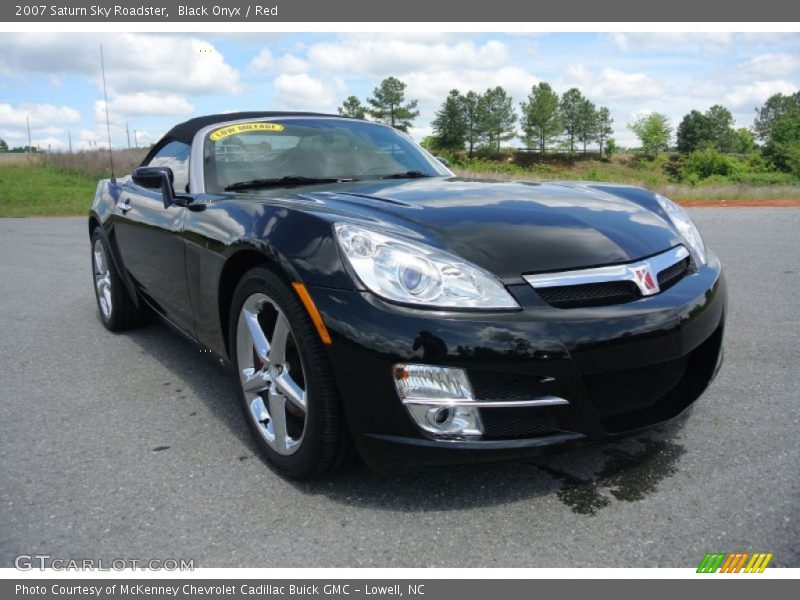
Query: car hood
[[508, 228]]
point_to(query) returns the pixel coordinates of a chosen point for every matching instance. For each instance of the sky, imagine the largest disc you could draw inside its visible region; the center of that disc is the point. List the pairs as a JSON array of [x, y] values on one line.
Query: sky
[[156, 80]]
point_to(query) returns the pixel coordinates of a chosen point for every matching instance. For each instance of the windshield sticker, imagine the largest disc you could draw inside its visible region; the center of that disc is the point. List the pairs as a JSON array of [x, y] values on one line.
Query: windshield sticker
[[230, 130]]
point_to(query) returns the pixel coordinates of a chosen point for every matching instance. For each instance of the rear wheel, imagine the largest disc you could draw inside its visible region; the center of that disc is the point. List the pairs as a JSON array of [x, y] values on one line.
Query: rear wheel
[[288, 394], [117, 310]]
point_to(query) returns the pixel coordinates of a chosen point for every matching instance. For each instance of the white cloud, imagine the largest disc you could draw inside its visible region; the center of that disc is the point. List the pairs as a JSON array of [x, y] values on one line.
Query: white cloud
[[302, 92], [11, 134], [757, 93], [266, 62], [407, 36], [38, 114], [143, 104], [611, 84], [772, 65], [420, 132], [49, 142], [382, 56], [263, 63], [672, 41], [433, 87], [289, 63], [135, 62], [97, 137]]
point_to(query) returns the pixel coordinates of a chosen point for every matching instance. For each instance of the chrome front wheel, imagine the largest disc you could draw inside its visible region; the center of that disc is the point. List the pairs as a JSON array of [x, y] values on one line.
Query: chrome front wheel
[[271, 374]]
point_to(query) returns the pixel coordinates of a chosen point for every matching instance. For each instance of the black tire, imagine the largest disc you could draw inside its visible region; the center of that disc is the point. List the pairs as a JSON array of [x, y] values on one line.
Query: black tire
[[123, 314], [326, 445]]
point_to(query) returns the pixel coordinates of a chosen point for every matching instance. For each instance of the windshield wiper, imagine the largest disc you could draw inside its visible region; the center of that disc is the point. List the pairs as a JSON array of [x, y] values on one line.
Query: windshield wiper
[[406, 175], [284, 181]]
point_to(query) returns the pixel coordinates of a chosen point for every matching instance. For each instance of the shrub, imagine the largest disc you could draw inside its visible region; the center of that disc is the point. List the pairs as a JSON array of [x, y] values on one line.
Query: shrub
[[705, 163]]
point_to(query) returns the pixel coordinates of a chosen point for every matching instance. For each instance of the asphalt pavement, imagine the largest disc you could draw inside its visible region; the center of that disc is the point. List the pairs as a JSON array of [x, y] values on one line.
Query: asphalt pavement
[[132, 446]]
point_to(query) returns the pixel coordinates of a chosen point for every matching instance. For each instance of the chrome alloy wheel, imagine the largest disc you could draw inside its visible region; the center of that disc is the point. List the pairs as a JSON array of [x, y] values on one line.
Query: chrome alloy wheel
[[271, 374], [102, 278]]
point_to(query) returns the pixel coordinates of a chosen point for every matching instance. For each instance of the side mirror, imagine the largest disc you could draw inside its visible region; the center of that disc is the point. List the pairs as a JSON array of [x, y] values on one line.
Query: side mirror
[[444, 161], [156, 178]]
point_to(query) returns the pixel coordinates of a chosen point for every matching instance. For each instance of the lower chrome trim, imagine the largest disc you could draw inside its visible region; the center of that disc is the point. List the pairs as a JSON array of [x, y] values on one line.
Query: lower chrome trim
[[625, 272], [541, 401]]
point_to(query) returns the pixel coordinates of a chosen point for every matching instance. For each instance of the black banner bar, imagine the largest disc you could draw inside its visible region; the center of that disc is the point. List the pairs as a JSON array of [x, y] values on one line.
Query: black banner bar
[[364, 589], [326, 11]]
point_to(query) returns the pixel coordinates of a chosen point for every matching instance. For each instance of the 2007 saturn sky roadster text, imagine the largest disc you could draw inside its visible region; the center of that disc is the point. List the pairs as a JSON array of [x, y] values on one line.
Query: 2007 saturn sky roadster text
[[369, 301]]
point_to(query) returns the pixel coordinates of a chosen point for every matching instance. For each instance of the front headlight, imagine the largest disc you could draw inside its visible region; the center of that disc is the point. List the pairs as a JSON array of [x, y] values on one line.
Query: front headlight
[[413, 273], [683, 223]]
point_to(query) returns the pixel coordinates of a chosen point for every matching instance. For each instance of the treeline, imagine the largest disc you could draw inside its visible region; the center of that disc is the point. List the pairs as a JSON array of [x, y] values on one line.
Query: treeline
[[485, 120], [17, 149], [707, 143]]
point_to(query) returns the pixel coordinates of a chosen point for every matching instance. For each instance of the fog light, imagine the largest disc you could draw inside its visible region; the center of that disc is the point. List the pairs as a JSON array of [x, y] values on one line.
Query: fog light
[[447, 421], [438, 398]]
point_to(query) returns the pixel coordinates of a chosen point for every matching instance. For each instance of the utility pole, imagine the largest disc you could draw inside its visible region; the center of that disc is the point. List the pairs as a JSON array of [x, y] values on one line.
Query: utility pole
[[28, 122], [69, 137], [128, 133], [135, 140]]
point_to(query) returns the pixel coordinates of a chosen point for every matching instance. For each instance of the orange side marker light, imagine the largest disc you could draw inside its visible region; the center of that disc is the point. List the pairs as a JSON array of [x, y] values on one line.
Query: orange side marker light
[[311, 308]]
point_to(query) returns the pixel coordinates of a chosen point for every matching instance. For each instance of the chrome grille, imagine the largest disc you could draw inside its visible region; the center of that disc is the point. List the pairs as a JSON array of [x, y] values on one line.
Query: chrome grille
[[614, 284]]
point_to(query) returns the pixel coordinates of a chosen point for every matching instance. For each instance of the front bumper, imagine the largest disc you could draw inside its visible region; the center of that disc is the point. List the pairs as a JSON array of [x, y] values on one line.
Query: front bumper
[[622, 368]]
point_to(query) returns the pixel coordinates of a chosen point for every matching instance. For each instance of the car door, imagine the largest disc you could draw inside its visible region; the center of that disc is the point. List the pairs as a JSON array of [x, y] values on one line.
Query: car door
[[149, 238]]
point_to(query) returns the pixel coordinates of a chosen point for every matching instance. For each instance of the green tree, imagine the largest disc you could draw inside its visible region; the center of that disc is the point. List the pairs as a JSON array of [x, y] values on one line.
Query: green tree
[[604, 127], [611, 147], [712, 129], [352, 107], [783, 145], [429, 143], [743, 141], [571, 103], [694, 131], [389, 104], [541, 117], [720, 122], [587, 123], [473, 121], [450, 123], [775, 107], [497, 118], [3, 145], [653, 131]]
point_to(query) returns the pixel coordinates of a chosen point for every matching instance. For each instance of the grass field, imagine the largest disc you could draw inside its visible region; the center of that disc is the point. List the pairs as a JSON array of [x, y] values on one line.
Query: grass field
[[36, 190], [64, 184]]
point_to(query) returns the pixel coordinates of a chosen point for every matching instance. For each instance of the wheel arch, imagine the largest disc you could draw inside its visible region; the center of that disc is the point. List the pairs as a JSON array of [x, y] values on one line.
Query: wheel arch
[[234, 269], [94, 223]]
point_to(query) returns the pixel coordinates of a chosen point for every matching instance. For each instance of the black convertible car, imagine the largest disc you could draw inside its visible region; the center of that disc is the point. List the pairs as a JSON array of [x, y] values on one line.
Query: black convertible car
[[370, 302]]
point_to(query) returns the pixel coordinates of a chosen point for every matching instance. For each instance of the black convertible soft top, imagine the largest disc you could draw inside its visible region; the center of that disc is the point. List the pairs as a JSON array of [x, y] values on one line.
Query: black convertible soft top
[[184, 132]]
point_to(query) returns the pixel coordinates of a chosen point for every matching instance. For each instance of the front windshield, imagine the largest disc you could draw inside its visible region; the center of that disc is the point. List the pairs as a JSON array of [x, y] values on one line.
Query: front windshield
[[260, 153]]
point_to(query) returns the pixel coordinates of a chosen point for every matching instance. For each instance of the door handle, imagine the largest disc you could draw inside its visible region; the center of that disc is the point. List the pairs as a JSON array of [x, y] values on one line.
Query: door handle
[[124, 206]]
